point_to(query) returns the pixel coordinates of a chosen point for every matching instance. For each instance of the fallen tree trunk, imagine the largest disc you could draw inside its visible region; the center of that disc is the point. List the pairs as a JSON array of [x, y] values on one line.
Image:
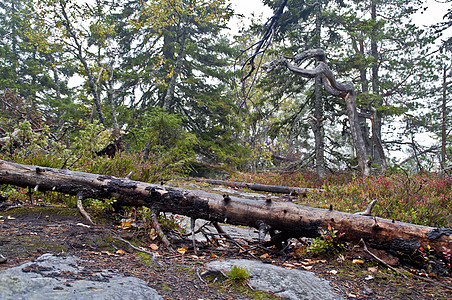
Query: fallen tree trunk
[[291, 219], [260, 187]]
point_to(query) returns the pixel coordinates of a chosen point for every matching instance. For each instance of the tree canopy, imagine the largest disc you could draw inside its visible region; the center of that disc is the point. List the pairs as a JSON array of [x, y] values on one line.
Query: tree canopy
[[163, 77]]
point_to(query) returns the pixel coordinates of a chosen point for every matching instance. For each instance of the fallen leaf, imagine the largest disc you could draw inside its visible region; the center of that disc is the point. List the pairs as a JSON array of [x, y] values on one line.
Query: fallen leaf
[[288, 265], [358, 261], [154, 247], [369, 277], [351, 295], [301, 250], [182, 250], [372, 269], [307, 267], [121, 252], [126, 224], [265, 255], [213, 255], [334, 272], [153, 234]]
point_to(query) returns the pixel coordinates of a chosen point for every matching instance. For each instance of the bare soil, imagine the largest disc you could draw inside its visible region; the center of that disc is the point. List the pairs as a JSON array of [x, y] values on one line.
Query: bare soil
[[27, 233]]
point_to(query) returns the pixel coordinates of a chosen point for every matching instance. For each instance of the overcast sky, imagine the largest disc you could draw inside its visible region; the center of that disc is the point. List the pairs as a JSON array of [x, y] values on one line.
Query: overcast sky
[[432, 15]]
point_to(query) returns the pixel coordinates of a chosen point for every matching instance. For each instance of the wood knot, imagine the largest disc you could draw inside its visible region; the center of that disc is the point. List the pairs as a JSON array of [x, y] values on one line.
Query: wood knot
[[226, 198]]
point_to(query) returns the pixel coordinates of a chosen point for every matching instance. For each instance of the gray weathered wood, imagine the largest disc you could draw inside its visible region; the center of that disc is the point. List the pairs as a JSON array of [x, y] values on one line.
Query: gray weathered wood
[[293, 220], [260, 187]]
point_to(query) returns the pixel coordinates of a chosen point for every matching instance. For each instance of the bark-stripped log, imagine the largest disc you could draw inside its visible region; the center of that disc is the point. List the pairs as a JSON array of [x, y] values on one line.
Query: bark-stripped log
[[293, 220], [260, 187]]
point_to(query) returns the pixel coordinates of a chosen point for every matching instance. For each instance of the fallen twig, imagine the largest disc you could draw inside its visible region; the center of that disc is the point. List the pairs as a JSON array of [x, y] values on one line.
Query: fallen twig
[[158, 229], [135, 247], [380, 260], [82, 210]]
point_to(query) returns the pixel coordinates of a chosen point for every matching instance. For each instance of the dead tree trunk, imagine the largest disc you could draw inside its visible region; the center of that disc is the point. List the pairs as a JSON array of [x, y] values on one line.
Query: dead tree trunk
[[260, 187], [345, 91], [290, 219]]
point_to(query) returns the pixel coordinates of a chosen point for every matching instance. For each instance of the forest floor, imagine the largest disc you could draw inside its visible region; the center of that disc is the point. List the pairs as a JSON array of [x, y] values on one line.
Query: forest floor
[[27, 233]]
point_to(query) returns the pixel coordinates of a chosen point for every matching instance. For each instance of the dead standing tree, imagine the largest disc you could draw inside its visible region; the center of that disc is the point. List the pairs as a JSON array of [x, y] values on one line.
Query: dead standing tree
[[345, 91], [335, 88]]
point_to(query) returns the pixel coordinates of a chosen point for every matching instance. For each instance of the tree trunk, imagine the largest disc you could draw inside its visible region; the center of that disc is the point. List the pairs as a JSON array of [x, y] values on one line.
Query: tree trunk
[[378, 155], [92, 84], [317, 123], [260, 187], [291, 219], [346, 91], [168, 101], [444, 118]]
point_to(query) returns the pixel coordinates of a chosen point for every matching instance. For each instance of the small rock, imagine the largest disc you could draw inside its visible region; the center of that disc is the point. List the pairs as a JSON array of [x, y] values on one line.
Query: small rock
[[367, 290]]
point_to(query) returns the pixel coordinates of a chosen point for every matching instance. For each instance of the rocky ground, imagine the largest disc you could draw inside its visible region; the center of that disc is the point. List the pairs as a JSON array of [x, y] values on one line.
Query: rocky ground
[[29, 232]]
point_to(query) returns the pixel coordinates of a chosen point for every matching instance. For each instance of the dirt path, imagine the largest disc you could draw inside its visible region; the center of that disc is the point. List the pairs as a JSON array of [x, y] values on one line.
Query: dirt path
[[27, 233]]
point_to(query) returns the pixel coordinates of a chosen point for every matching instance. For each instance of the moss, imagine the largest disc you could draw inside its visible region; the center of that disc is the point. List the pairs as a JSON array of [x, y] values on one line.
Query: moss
[[147, 259], [32, 244], [165, 287], [221, 284], [42, 210]]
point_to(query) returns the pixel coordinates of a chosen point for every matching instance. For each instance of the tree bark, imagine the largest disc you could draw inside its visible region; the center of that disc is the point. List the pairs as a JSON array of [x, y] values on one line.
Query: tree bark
[[168, 101], [291, 219], [378, 154], [317, 122], [444, 117]]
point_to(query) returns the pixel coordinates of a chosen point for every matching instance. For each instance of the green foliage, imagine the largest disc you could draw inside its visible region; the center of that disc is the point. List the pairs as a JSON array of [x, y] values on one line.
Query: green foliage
[[423, 199], [238, 275], [166, 140], [298, 179], [420, 199], [125, 162], [167, 222], [101, 205], [327, 243]]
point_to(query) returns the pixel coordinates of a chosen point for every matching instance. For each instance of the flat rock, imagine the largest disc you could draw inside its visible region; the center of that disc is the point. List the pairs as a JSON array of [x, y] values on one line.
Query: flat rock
[[287, 283], [59, 277]]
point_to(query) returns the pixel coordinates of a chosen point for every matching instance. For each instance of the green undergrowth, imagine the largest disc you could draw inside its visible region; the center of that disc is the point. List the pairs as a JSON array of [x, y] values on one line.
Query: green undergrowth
[[235, 281], [424, 199], [42, 211]]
